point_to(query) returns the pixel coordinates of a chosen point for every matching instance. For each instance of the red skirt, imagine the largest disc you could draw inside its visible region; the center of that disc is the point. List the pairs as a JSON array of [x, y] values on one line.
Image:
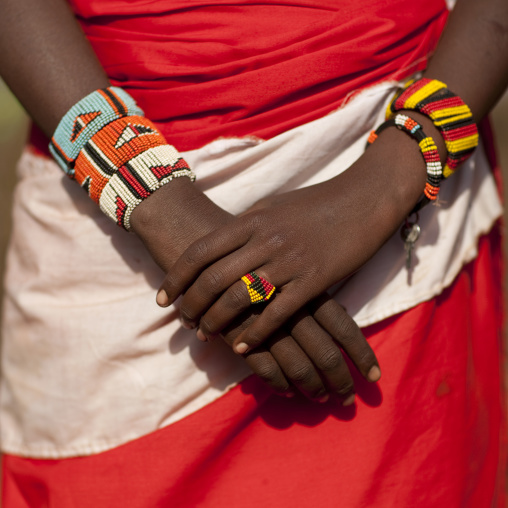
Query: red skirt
[[431, 433]]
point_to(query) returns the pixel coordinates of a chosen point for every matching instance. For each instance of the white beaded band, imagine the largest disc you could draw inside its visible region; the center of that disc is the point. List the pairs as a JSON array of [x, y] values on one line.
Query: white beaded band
[[139, 178]]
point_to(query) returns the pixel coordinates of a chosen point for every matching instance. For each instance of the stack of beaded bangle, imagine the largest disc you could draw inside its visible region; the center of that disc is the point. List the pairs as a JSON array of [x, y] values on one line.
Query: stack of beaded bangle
[[427, 147], [115, 153], [449, 114]]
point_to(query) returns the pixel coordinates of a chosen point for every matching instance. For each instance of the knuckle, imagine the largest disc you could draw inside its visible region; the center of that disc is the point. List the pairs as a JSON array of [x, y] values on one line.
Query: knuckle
[[211, 281], [256, 220], [268, 372], [196, 253], [349, 330], [329, 360], [276, 314], [237, 297], [301, 373], [277, 240]]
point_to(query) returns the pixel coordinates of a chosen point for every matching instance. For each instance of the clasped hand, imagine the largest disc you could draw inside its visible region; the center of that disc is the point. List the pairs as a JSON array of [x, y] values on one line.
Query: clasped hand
[[303, 242]]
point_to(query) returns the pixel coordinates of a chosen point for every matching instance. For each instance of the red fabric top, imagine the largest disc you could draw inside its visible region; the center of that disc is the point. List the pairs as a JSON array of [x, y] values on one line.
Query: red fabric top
[[205, 69]]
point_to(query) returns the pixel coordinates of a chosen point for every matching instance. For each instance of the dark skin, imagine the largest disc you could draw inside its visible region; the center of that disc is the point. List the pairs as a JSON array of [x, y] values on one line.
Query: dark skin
[[287, 239], [305, 352], [50, 67]]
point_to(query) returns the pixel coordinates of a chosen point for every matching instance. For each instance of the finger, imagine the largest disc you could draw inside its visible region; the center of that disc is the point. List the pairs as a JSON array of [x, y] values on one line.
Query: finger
[[232, 303], [264, 365], [281, 363], [337, 322], [325, 355], [216, 279], [261, 361], [292, 365], [289, 300], [229, 306], [197, 257], [297, 367]]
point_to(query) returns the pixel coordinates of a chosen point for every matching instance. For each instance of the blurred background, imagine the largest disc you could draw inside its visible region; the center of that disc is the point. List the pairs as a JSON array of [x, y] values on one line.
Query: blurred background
[[13, 130]]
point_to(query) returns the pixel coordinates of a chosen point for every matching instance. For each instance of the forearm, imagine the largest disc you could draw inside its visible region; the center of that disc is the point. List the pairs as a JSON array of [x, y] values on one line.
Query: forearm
[[45, 59], [472, 55], [472, 59], [49, 65]]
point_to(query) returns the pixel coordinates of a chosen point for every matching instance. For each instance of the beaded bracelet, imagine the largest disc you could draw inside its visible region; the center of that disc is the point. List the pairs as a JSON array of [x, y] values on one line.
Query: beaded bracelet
[[122, 158], [124, 163], [428, 149], [85, 119], [448, 112]]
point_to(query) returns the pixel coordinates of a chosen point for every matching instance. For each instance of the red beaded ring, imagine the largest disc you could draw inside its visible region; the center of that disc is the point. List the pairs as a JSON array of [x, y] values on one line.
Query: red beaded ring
[[260, 290]]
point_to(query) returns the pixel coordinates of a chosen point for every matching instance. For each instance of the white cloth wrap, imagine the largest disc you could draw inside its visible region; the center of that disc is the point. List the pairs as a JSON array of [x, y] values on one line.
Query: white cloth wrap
[[90, 361]]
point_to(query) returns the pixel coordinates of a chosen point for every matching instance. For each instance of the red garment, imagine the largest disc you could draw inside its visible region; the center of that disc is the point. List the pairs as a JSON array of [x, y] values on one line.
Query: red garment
[[441, 363], [431, 432], [238, 68]]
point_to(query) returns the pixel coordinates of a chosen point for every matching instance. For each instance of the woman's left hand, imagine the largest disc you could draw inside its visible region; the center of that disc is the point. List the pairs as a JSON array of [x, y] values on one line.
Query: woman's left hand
[[311, 239]]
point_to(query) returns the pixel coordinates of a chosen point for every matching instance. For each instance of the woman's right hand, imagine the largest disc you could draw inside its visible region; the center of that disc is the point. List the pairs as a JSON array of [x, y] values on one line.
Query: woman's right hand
[[306, 354]]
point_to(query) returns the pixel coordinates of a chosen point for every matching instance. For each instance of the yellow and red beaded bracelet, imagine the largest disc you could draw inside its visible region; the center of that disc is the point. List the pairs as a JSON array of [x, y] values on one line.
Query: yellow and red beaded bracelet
[[447, 111]]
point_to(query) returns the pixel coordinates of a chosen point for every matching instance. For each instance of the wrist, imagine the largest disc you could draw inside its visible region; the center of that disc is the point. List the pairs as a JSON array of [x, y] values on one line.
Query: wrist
[[173, 217], [382, 186], [403, 170], [170, 203]]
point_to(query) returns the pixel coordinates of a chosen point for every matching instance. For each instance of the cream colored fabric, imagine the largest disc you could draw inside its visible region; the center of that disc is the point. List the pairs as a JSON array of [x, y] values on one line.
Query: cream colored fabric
[[90, 361]]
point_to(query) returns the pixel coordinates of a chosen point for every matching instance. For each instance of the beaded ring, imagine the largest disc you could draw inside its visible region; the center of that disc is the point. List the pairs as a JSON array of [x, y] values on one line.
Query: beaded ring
[[428, 149], [260, 290], [448, 112]]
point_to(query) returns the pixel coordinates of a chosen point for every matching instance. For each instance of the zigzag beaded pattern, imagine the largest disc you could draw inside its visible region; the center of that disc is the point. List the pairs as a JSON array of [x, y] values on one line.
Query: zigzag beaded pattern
[[116, 154], [85, 119], [124, 163], [260, 290], [448, 112]]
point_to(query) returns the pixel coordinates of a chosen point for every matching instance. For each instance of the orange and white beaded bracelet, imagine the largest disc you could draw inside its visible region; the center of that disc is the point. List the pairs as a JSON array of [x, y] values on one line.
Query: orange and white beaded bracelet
[[119, 161]]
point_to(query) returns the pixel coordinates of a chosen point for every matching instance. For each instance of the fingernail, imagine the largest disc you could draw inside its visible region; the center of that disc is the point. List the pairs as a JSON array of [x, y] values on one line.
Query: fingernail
[[162, 298], [242, 348], [350, 400], [324, 398], [201, 336], [374, 374]]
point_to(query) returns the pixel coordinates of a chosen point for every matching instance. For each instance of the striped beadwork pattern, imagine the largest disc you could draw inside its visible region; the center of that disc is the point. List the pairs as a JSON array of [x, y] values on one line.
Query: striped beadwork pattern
[[448, 112], [122, 159], [427, 147], [260, 290]]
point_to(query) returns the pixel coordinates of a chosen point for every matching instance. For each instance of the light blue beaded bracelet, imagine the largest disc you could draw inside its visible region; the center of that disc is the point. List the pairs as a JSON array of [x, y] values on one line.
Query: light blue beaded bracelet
[[85, 119]]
